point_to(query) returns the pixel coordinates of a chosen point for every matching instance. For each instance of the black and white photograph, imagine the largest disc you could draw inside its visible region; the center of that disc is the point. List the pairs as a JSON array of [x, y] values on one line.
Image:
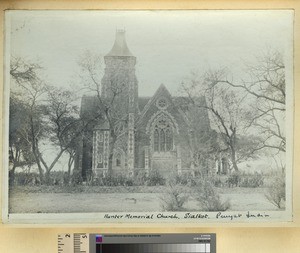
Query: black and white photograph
[[148, 116]]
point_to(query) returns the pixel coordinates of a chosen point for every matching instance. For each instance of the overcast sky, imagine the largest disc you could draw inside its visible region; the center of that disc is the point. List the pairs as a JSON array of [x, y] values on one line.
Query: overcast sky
[[168, 44]]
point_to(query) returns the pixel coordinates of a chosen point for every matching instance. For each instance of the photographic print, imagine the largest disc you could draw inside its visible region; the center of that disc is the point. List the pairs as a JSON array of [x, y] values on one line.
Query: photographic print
[[148, 116]]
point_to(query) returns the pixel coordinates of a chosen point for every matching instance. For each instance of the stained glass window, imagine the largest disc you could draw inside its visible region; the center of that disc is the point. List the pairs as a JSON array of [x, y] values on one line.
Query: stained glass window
[[156, 140], [169, 139], [162, 103], [163, 136], [162, 139]]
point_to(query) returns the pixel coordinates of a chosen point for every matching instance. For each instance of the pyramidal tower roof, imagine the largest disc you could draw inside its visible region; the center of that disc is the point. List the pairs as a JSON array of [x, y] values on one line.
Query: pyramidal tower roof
[[120, 47]]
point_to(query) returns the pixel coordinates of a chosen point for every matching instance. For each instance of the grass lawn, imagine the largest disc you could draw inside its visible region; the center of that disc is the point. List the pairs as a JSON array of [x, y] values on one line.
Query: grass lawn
[[120, 199]]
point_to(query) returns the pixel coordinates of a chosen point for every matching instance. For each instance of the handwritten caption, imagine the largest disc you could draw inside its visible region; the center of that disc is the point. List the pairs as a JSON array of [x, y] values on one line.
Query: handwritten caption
[[190, 216]]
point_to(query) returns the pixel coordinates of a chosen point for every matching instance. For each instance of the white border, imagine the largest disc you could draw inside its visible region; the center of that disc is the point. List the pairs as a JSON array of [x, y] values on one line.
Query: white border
[[5, 111]]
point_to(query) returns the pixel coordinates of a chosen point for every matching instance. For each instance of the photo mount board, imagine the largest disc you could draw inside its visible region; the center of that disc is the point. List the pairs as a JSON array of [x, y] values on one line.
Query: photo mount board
[[200, 218]]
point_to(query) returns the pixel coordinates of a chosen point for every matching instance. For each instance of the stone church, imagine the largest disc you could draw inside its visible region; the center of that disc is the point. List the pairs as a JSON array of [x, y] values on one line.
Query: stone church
[[132, 134]]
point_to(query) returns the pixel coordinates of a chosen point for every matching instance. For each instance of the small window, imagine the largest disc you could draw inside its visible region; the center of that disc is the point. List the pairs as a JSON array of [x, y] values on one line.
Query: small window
[[118, 160], [100, 161], [99, 137], [162, 103]]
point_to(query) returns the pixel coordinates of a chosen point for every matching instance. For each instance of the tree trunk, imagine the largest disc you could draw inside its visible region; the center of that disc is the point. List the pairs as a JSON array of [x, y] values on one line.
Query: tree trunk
[[233, 159], [111, 154], [35, 150], [41, 172], [69, 166], [48, 169], [70, 163], [47, 178], [110, 162], [12, 176]]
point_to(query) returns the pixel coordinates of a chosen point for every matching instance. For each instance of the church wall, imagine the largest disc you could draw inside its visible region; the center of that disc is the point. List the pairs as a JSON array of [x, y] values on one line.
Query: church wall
[[180, 138], [174, 152], [87, 155]]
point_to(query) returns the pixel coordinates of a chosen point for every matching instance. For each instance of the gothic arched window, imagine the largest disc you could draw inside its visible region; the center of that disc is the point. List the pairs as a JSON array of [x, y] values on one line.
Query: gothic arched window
[[118, 160], [100, 161], [162, 136], [169, 140], [156, 140], [162, 139]]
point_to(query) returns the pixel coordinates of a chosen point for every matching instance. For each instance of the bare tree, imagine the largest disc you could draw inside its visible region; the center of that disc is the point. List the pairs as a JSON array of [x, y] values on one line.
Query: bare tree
[[265, 84], [202, 140], [30, 89], [23, 71], [227, 109], [64, 125], [255, 106], [20, 153], [52, 117], [111, 106]]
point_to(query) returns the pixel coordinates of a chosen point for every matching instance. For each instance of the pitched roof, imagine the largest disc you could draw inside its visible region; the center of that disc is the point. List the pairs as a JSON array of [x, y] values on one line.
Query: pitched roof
[[89, 105], [142, 101], [161, 89], [120, 47]]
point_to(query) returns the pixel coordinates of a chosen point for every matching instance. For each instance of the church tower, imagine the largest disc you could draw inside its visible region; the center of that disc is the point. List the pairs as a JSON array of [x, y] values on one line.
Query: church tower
[[119, 74], [119, 84]]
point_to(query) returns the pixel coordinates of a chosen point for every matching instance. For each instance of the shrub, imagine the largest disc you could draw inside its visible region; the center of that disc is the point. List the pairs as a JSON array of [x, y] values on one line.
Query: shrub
[[129, 181], [208, 198], [185, 179], [233, 179], [174, 197], [114, 180], [252, 180], [276, 191], [140, 178], [155, 178], [26, 178], [217, 180], [99, 181]]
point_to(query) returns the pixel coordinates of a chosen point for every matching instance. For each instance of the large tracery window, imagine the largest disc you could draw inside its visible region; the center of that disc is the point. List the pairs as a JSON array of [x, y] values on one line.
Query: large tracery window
[[163, 136], [169, 140]]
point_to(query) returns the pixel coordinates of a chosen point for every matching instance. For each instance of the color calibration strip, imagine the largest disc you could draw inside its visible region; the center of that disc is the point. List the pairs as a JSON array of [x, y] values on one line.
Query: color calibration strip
[[136, 243], [203, 247]]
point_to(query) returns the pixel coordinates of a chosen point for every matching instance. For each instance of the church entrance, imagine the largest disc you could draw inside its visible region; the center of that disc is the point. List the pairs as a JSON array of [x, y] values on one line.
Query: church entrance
[[164, 164]]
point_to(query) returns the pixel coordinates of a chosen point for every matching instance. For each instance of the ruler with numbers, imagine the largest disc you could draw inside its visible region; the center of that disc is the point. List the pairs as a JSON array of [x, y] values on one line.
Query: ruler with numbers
[[73, 243]]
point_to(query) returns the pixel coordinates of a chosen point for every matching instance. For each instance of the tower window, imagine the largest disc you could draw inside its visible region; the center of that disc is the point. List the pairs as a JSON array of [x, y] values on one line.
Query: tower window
[[100, 161], [118, 162], [118, 159], [99, 137]]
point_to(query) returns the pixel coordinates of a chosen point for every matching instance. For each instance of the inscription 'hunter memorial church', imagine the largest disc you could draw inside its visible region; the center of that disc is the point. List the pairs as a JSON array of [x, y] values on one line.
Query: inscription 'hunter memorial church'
[[129, 134]]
